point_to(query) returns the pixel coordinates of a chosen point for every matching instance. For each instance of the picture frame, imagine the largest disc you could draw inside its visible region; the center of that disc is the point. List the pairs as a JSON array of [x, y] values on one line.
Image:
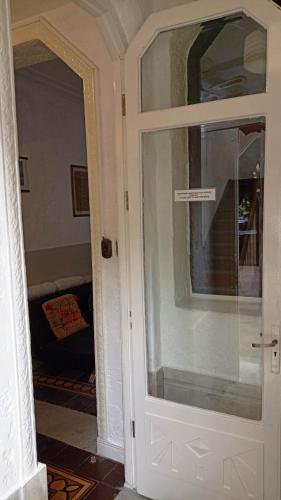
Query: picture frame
[[24, 174], [80, 190]]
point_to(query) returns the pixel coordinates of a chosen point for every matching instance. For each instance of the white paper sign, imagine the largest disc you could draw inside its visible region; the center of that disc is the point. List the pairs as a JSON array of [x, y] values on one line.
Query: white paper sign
[[208, 194]]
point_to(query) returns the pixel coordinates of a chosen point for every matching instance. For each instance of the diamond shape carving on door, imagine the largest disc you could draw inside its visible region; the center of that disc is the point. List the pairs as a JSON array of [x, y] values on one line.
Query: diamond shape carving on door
[[196, 455], [198, 447]]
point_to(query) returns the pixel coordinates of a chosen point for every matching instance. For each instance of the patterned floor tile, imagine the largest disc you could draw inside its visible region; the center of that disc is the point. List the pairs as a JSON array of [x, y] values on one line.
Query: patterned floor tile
[[69, 389], [74, 474], [65, 486]]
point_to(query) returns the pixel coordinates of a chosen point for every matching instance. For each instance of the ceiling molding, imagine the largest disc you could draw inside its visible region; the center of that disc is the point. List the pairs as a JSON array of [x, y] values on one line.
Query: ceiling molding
[[113, 34], [95, 7], [121, 23], [118, 20], [43, 79]]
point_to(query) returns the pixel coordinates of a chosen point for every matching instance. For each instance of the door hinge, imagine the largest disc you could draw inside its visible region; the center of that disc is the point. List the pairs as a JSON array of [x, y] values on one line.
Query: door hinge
[[123, 104], [127, 200], [131, 323], [133, 425]]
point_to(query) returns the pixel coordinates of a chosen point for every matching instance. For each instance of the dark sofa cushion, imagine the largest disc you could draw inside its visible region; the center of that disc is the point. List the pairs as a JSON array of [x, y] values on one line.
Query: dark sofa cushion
[[76, 351], [42, 336]]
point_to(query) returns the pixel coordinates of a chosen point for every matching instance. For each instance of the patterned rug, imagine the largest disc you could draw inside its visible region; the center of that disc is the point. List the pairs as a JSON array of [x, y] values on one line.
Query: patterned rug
[[65, 486], [66, 390], [65, 384]]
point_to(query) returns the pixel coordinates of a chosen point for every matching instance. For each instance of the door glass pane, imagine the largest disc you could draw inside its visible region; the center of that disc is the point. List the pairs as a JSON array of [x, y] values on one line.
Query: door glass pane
[[216, 59], [203, 264]]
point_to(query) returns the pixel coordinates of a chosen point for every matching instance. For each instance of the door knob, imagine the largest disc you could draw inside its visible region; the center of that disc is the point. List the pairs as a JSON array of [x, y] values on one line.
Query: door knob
[[270, 344]]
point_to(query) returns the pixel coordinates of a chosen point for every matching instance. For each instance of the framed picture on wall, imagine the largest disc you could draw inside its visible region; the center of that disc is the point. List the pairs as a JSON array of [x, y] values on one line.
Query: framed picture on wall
[[24, 175], [80, 191]]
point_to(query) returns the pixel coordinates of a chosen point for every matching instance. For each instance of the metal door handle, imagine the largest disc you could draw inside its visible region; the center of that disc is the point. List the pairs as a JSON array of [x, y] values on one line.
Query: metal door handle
[[271, 344]]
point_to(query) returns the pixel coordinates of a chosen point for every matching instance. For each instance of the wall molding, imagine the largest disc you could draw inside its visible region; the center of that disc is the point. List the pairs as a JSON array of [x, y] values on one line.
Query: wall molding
[[110, 450], [42, 30]]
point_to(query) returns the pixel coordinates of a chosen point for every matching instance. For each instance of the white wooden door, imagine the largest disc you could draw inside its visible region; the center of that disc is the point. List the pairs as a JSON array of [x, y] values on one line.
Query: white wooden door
[[203, 113]]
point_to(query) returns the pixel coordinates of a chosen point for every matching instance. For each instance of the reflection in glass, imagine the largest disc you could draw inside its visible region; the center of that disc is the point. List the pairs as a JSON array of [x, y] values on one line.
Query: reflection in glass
[[216, 59], [203, 265]]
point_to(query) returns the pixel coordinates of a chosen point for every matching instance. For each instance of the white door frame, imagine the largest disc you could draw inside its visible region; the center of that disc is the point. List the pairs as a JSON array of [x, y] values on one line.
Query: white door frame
[[40, 29], [266, 104], [124, 263]]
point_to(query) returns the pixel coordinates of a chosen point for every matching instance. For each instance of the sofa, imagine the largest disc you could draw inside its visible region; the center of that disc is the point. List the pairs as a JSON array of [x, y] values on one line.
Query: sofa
[[75, 351]]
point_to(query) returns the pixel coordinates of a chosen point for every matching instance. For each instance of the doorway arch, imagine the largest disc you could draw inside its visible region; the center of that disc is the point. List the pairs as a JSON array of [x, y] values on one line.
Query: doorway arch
[[41, 30]]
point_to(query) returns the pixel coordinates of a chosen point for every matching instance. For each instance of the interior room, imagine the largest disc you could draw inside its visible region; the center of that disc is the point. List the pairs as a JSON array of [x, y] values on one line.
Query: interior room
[[57, 238]]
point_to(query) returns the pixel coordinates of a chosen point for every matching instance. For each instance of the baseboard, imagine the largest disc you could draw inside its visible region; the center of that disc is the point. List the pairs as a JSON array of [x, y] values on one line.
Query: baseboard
[[110, 450], [35, 489]]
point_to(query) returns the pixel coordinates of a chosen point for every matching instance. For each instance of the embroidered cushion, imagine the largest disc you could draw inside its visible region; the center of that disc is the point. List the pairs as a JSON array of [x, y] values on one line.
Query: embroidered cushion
[[64, 316]]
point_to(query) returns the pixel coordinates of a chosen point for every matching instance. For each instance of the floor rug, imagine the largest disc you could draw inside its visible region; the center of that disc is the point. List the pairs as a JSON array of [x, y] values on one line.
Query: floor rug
[[65, 486], [65, 390], [65, 384]]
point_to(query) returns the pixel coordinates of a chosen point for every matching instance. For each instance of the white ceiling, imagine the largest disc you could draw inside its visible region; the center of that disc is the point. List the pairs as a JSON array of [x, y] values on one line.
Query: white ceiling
[[22, 9], [167, 4], [54, 73]]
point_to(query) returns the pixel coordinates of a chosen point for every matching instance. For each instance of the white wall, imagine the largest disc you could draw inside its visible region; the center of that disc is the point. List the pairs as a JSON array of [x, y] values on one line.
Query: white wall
[[18, 461], [51, 132]]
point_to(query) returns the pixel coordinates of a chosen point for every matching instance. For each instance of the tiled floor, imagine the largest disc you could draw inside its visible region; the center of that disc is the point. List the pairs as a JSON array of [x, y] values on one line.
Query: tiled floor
[[66, 399], [104, 478], [66, 442], [72, 427]]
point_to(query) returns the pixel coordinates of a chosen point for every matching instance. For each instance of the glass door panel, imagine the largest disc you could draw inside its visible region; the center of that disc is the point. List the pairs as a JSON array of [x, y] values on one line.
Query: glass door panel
[[203, 264], [208, 61]]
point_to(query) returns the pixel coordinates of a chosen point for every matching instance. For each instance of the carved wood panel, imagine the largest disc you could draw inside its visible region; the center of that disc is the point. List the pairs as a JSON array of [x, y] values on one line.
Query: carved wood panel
[[228, 464]]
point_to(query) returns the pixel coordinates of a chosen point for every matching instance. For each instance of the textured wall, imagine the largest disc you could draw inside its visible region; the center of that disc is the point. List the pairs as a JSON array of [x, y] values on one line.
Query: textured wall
[[17, 436]]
